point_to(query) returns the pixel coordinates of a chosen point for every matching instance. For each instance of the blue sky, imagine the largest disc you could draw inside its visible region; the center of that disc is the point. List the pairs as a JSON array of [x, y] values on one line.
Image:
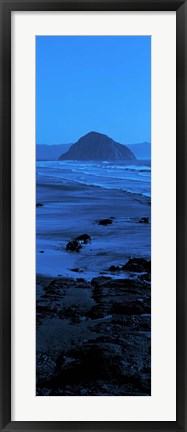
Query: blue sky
[[86, 83]]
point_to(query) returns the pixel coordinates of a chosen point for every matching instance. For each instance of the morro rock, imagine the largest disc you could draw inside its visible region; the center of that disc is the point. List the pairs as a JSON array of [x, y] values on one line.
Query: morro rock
[[96, 146]]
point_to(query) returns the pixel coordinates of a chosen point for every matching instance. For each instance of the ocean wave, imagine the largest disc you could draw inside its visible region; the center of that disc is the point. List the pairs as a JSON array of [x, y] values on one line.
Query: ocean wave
[[141, 192], [131, 168], [130, 178]]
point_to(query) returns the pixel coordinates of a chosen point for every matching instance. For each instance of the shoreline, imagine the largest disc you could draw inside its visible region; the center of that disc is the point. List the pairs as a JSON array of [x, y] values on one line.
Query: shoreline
[[94, 307]]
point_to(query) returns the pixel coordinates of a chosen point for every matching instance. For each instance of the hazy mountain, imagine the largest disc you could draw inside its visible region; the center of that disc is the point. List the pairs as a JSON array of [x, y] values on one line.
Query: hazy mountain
[[51, 152], [141, 150], [96, 146]]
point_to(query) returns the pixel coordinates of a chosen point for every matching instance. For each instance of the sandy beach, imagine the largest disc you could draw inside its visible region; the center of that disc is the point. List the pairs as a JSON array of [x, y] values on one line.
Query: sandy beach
[[94, 300], [69, 211]]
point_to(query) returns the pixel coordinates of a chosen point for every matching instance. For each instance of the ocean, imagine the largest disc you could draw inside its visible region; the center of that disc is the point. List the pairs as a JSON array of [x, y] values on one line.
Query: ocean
[[133, 178]]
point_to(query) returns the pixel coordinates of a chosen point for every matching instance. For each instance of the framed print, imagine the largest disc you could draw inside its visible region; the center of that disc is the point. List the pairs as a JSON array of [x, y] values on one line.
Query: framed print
[[93, 215]]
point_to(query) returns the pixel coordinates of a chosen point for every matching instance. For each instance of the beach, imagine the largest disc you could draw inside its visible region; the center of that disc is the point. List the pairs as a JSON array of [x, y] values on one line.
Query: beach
[[93, 282]]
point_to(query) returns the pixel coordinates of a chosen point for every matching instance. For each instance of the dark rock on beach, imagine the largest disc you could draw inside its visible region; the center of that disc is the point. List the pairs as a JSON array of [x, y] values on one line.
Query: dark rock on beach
[[137, 265], [39, 205], [114, 268], [144, 220], [93, 338], [76, 244], [76, 270], [105, 221], [85, 238], [73, 246], [145, 277]]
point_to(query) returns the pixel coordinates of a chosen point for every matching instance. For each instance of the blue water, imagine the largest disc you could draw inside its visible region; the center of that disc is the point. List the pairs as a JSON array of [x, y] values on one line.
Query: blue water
[[133, 178]]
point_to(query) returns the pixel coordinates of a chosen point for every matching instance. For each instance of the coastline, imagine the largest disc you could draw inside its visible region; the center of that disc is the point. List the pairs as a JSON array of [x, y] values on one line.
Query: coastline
[[93, 303]]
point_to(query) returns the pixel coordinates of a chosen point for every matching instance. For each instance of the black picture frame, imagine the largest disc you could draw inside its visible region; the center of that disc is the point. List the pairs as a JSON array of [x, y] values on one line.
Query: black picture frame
[[6, 6]]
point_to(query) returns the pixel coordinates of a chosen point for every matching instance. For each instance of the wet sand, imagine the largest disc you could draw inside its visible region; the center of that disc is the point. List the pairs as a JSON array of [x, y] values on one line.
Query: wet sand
[[71, 210]]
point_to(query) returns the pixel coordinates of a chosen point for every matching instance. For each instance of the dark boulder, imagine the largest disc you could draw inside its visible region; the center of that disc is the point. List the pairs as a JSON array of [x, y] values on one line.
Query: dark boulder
[[73, 246], [146, 277], [138, 265], [76, 270], [105, 221], [144, 220], [85, 238], [114, 268], [129, 307], [92, 361]]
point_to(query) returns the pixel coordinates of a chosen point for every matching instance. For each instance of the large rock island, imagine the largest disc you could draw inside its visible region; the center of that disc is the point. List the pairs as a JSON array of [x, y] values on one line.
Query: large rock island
[[96, 146]]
